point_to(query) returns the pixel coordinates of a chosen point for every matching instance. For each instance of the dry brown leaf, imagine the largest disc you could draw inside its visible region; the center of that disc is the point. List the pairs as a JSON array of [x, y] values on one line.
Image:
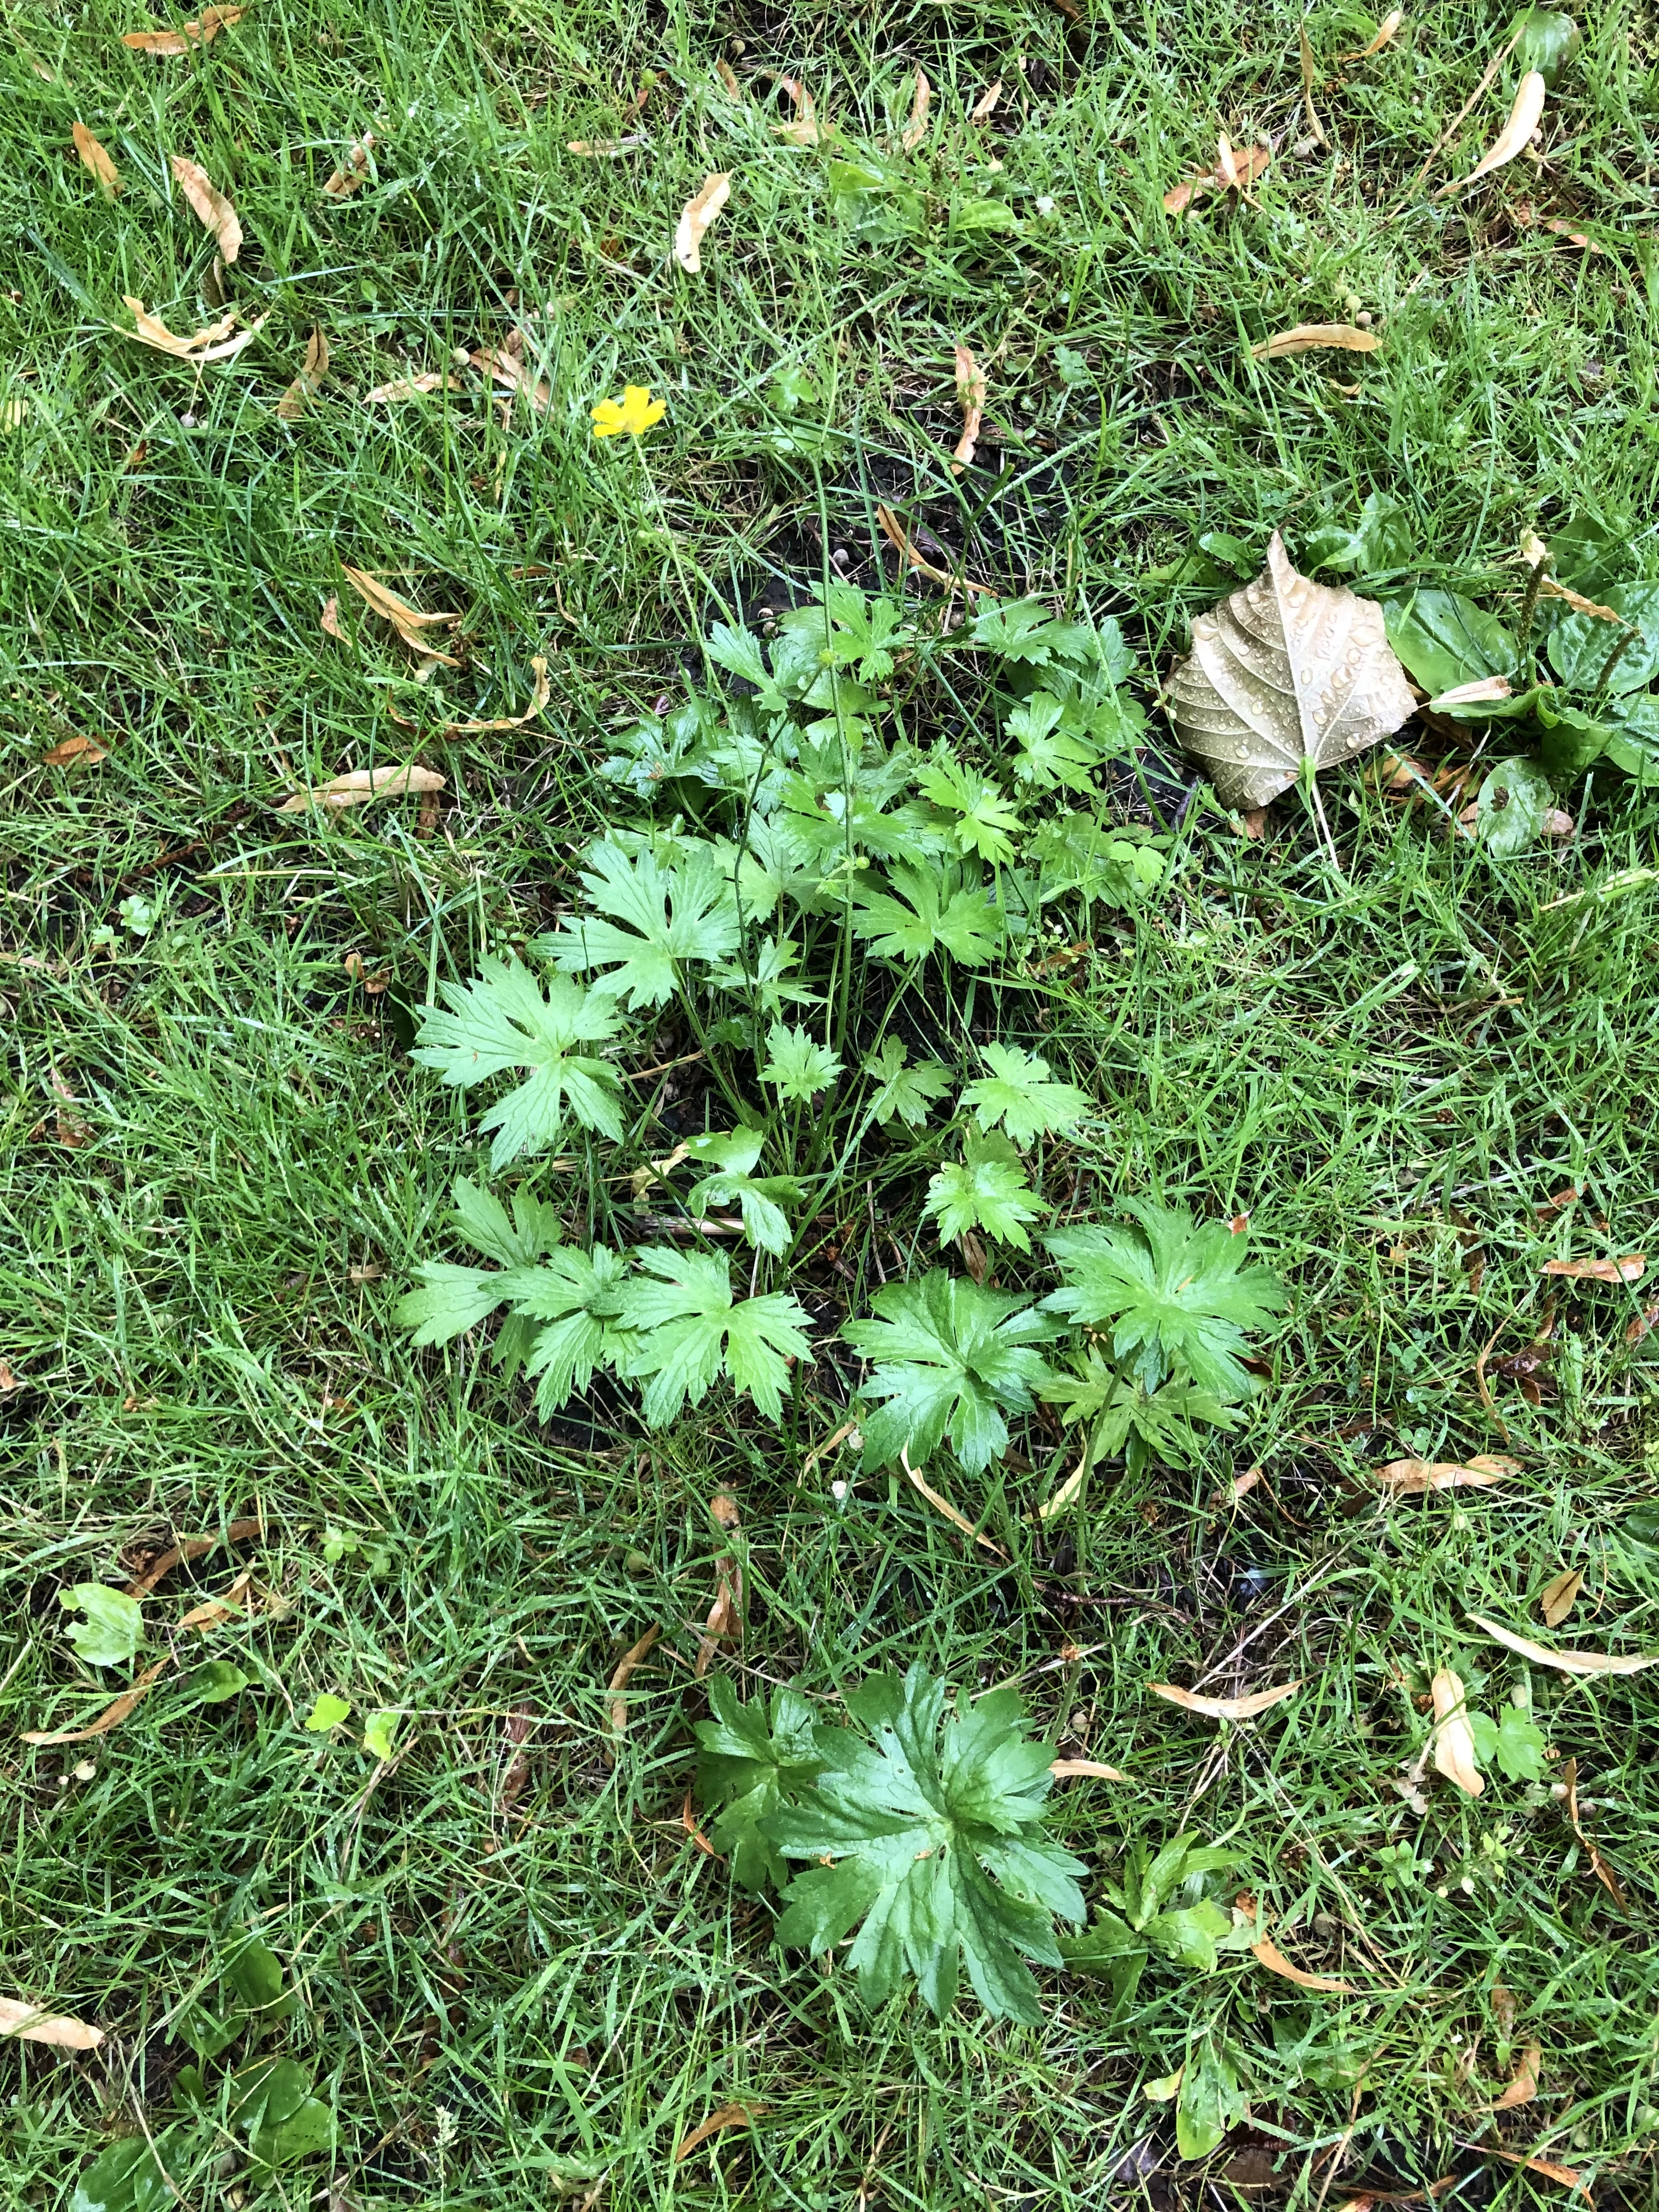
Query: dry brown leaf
[[1241, 172], [111, 1717], [605, 148], [108, 176], [539, 697], [723, 1510], [520, 1724], [916, 128], [306, 385], [9, 1382], [1558, 1598], [214, 344], [74, 749], [1314, 123], [353, 172], [331, 616], [213, 1610], [805, 130], [1454, 1739], [618, 1683], [728, 77], [972, 387], [201, 31], [72, 1129], [1642, 1324], [213, 210], [192, 1547], [1385, 30], [1060, 1768], [725, 1621], [696, 216], [1566, 1662], [1523, 121], [1630, 1269], [361, 785], [1470, 695], [1565, 2174], [1580, 238], [408, 387], [985, 106], [1284, 674], [729, 2116], [1598, 1866], [1411, 1478], [943, 1505], [1309, 338], [1503, 2009], [1225, 1709], [409, 622], [507, 369], [1524, 2084], [895, 531], [689, 1822], [32, 2024], [1267, 1953]]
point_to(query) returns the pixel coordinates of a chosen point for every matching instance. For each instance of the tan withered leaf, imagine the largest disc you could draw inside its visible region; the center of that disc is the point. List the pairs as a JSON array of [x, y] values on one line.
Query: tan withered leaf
[[725, 1621], [409, 622], [1308, 72], [1385, 31], [353, 172], [539, 698], [306, 385], [1566, 1662], [1523, 2084], [985, 106], [1471, 694], [1285, 674], [972, 387], [362, 784], [728, 77], [213, 1610], [1630, 1269], [1413, 1477], [331, 616], [34, 2024], [729, 2116], [1268, 1954], [9, 1382], [410, 387], [70, 750], [1060, 1768], [1523, 121], [112, 1715], [1235, 171], [897, 535], [916, 128], [201, 31], [1558, 1598], [696, 216], [605, 148], [192, 1547], [1454, 1739], [1310, 338], [507, 369], [213, 211], [1225, 1709], [805, 130], [619, 1678], [214, 344], [108, 176], [1566, 2175], [1598, 1866]]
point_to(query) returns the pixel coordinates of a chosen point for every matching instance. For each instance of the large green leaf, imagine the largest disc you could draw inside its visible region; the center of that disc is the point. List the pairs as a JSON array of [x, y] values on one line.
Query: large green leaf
[[940, 908], [1580, 644], [934, 1846], [951, 1359], [125, 2178], [649, 919], [688, 1327], [1021, 1094], [502, 1020], [1511, 806], [1445, 639]]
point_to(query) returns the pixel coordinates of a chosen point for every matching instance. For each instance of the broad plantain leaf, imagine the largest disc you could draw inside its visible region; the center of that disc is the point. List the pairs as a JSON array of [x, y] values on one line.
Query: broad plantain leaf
[[502, 1020], [951, 1359], [749, 1766], [936, 1847], [1580, 644], [1511, 806], [1174, 1292], [1446, 640]]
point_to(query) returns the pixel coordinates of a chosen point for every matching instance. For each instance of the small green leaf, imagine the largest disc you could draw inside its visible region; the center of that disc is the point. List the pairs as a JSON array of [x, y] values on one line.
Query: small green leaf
[[1580, 644], [214, 1682], [1190, 1934], [1210, 2101], [1515, 1743], [1020, 1093], [982, 821], [125, 2177], [902, 1091], [1511, 806], [749, 1766], [256, 1977], [1546, 41], [986, 1189], [648, 920], [796, 1065], [109, 1635], [687, 1326], [378, 1731], [327, 1713], [943, 908]]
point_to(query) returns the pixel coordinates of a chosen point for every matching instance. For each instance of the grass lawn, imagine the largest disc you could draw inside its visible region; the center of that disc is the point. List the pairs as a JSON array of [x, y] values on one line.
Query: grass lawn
[[519, 1981]]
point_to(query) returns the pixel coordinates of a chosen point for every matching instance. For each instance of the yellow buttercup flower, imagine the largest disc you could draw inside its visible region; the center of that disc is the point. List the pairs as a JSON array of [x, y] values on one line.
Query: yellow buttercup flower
[[635, 413]]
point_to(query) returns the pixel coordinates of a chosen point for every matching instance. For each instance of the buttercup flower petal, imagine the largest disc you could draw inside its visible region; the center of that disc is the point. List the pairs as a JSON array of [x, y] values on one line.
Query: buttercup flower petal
[[634, 413]]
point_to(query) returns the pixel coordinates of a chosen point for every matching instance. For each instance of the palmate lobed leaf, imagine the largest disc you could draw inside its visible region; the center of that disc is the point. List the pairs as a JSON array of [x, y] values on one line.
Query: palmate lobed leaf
[[1174, 1292], [904, 1091], [951, 1359], [749, 1763], [936, 1847], [985, 1189], [941, 908], [688, 1327], [1021, 1094], [503, 1020], [648, 918]]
